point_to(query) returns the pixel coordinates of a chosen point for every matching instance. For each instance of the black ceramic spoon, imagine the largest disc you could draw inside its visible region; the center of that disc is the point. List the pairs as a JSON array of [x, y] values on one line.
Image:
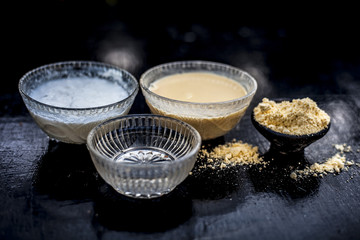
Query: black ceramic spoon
[[285, 143]]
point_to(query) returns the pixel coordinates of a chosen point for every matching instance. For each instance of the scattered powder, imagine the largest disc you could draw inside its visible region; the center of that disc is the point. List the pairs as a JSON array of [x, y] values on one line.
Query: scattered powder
[[343, 148], [231, 154], [239, 153], [298, 117], [334, 164]]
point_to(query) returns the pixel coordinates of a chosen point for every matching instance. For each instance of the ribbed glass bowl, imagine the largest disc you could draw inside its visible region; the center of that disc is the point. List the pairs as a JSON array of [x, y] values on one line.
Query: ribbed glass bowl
[[144, 156], [210, 119], [72, 125]]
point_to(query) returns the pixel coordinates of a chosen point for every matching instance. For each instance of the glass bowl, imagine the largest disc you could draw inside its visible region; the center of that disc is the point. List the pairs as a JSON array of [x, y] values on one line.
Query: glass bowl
[[210, 119], [145, 155], [72, 125]]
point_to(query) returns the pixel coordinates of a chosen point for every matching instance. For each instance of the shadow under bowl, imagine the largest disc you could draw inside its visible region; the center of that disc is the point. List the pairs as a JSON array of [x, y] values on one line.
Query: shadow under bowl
[[286, 143]]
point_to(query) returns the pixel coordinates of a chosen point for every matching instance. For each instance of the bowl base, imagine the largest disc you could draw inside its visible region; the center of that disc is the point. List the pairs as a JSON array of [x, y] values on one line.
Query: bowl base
[[287, 150], [144, 195], [144, 156]]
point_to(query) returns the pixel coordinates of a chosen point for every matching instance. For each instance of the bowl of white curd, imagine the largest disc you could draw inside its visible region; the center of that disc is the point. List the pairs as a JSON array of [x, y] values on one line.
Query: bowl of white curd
[[68, 99]]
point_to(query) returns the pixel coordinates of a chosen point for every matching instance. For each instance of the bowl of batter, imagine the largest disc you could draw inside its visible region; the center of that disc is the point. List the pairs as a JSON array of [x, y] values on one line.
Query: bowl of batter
[[210, 96]]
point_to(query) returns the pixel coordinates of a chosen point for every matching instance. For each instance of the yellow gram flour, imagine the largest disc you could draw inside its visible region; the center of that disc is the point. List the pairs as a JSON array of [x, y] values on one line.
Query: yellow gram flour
[[231, 154], [298, 117], [342, 148], [334, 164]]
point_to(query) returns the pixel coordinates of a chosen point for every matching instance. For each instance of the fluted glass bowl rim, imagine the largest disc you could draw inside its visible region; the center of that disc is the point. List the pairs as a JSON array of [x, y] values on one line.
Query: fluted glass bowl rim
[[199, 62], [82, 63], [193, 151]]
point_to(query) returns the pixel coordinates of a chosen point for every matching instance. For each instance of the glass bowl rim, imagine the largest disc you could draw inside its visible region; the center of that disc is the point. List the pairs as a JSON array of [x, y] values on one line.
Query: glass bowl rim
[[81, 63], [247, 95], [177, 160]]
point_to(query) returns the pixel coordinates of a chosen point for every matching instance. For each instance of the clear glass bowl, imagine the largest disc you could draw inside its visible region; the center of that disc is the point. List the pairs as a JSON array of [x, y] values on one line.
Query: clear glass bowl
[[210, 119], [72, 125], [144, 156]]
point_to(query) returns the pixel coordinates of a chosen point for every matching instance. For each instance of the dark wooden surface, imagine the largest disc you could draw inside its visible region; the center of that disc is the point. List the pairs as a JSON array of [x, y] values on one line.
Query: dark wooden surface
[[51, 190]]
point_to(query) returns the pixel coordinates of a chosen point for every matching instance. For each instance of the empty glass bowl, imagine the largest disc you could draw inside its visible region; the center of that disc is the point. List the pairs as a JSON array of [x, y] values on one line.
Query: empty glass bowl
[[210, 119], [72, 125], [143, 156]]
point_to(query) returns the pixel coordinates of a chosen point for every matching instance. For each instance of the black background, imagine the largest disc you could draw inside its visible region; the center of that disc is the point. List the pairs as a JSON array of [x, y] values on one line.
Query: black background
[[51, 190], [292, 43]]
